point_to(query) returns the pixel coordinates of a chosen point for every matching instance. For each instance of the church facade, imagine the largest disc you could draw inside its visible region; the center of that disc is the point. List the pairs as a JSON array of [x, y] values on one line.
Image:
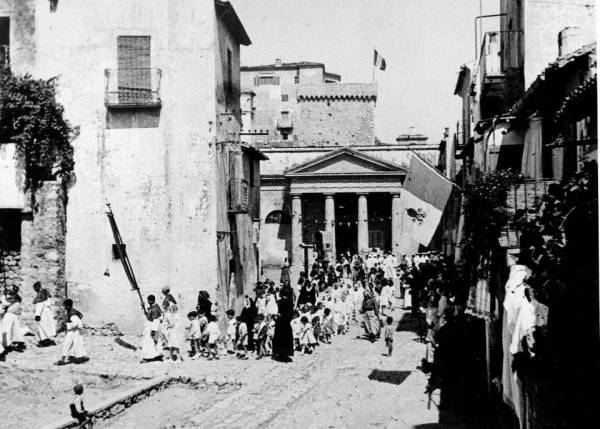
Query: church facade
[[328, 180]]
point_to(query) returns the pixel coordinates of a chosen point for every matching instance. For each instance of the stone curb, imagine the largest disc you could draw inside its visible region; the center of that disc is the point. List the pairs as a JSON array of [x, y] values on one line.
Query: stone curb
[[113, 407]]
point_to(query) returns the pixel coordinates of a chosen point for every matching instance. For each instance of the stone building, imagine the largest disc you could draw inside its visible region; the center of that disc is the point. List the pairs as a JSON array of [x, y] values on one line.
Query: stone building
[[328, 179], [153, 90]]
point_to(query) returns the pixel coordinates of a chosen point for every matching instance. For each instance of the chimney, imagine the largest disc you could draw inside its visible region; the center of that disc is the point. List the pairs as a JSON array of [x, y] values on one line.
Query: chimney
[[570, 39], [411, 130], [278, 62]]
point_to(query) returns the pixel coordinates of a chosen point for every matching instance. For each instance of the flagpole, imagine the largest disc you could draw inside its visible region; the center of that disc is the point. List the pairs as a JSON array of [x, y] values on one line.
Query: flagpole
[[373, 77]]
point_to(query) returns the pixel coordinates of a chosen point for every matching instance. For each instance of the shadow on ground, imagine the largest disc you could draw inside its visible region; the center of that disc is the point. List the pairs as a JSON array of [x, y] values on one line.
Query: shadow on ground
[[412, 323], [393, 377]]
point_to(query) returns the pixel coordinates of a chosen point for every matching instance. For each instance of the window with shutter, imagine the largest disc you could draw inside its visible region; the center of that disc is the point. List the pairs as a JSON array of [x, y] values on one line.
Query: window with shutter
[[134, 73]]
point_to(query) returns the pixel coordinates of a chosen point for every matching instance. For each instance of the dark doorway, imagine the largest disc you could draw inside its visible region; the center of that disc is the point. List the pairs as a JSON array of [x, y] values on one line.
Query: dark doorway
[[380, 221], [346, 227]]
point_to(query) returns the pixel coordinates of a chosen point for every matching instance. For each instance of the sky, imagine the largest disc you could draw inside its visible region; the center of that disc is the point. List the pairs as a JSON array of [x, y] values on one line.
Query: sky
[[424, 43]]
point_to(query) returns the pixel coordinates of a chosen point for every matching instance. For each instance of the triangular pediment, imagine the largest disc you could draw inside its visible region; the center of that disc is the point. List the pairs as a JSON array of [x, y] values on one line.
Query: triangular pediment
[[344, 162]]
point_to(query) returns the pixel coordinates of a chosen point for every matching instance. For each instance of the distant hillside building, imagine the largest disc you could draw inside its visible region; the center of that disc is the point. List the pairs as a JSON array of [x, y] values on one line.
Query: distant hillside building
[[328, 179]]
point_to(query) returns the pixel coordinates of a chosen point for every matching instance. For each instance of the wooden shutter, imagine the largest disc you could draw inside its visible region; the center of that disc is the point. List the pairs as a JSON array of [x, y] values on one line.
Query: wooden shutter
[[256, 81], [134, 78]]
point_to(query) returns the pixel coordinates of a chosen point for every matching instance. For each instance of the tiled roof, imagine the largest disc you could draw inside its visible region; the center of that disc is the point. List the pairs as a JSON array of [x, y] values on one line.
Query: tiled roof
[[538, 83], [337, 91], [571, 101]]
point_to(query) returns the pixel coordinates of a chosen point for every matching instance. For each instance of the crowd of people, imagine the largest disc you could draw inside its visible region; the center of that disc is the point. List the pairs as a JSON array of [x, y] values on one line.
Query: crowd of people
[[281, 319], [278, 321]]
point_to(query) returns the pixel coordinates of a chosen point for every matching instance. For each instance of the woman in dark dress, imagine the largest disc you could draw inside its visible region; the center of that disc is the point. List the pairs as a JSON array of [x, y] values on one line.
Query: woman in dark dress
[[204, 305], [283, 338], [248, 316], [307, 294]]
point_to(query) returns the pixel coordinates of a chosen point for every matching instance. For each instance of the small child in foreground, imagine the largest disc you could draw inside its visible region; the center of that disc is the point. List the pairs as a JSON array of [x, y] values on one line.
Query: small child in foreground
[[389, 334], [78, 411]]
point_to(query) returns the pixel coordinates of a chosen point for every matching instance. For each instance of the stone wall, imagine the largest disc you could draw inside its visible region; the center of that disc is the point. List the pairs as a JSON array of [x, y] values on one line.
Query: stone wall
[[43, 231], [10, 273], [336, 114]]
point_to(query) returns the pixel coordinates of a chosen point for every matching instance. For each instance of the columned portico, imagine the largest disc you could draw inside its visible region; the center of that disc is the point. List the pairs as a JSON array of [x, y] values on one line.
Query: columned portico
[[344, 198], [363, 223], [330, 225]]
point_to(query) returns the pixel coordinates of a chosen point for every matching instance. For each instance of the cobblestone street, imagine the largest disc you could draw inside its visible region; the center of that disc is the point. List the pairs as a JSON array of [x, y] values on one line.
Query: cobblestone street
[[348, 384]]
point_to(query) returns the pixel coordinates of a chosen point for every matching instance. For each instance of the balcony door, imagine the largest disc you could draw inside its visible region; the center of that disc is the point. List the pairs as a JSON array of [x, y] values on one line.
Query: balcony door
[[134, 74]]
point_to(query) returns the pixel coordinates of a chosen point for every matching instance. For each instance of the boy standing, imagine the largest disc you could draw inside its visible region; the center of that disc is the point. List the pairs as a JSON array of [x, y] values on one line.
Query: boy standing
[[78, 411], [230, 339], [194, 334], [242, 338], [389, 335], [212, 334]]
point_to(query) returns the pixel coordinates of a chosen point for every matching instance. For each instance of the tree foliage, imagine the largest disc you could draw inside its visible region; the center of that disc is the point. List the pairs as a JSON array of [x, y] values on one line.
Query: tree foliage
[[31, 118]]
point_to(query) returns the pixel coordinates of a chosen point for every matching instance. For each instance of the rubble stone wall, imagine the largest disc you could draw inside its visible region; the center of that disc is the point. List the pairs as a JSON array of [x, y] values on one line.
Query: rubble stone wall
[[10, 260], [43, 230], [336, 122]]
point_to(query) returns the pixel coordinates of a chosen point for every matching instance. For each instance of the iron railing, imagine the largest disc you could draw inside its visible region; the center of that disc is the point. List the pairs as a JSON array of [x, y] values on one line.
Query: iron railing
[[522, 205], [133, 87]]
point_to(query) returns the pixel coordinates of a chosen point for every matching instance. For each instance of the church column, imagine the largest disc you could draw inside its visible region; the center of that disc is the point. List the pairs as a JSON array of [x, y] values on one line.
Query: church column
[[396, 224], [363, 223], [330, 224], [297, 251]]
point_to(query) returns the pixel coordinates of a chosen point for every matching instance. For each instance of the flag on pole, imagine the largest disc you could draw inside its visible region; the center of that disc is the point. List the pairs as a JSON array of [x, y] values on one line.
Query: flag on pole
[[423, 200], [120, 248], [379, 61]]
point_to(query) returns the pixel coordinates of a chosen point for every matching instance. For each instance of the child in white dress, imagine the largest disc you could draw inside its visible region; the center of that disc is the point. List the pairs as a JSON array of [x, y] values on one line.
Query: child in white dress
[[307, 337], [73, 349], [173, 332]]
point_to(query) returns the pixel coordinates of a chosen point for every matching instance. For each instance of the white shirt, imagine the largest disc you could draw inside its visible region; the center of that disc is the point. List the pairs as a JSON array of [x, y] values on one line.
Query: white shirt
[[213, 332]]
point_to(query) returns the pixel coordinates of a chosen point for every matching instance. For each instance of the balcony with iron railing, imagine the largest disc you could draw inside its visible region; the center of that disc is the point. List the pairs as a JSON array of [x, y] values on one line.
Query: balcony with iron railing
[[4, 56], [133, 87]]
